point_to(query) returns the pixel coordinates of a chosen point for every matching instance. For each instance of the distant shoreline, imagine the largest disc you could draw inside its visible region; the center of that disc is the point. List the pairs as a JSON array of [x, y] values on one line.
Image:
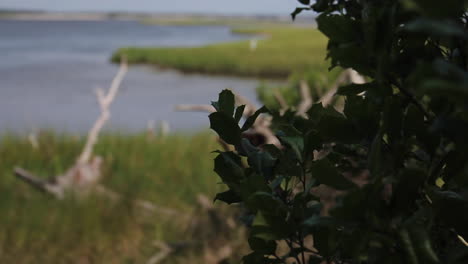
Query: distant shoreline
[[38, 16], [163, 18]]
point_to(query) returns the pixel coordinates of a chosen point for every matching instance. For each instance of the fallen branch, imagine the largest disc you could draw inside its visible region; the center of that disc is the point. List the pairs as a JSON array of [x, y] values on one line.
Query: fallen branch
[[306, 99], [86, 172], [104, 102], [195, 108], [165, 251], [347, 76], [281, 101]]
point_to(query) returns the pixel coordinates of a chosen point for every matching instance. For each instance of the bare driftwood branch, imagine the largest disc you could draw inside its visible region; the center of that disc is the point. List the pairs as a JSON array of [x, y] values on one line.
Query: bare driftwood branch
[[32, 137], [281, 101], [105, 100], [143, 204], [165, 251], [250, 107], [347, 76], [86, 172], [195, 108], [306, 99], [36, 182]]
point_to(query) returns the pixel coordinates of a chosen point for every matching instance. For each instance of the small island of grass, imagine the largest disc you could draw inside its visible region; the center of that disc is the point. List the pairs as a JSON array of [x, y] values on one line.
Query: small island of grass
[[279, 52]]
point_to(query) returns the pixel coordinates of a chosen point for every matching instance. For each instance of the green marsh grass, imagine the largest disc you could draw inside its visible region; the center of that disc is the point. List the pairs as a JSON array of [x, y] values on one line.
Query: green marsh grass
[[280, 52], [35, 228]]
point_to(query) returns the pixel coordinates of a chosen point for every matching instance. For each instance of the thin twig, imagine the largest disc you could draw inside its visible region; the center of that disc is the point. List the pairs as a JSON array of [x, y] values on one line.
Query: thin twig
[[195, 108], [306, 99], [281, 101], [105, 100], [166, 250]]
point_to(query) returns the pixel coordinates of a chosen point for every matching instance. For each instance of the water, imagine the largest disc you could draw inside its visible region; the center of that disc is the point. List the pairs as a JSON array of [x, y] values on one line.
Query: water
[[49, 71]]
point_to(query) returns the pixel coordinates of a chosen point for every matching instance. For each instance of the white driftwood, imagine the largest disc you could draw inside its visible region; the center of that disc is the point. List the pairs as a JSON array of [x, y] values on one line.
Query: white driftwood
[[105, 100], [165, 251], [32, 137], [250, 107], [281, 101], [86, 172], [347, 76], [306, 99], [195, 108]]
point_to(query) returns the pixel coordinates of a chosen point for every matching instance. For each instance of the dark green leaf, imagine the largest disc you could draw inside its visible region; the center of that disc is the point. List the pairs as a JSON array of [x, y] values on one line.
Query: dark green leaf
[[437, 28], [226, 102], [439, 9], [251, 120], [228, 197], [296, 144], [226, 127], [324, 171], [229, 167], [354, 89], [297, 11], [376, 158], [338, 28], [260, 245], [239, 113]]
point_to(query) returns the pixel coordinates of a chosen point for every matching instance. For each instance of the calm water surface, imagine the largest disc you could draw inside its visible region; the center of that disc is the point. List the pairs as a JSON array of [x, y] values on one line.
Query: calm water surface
[[49, 71]]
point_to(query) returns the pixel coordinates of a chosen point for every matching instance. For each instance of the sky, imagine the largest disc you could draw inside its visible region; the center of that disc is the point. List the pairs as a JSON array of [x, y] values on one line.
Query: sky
[[279, 7]]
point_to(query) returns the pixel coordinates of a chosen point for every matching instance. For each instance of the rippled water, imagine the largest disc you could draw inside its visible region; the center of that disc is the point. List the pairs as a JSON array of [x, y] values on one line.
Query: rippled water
[[49, 70]]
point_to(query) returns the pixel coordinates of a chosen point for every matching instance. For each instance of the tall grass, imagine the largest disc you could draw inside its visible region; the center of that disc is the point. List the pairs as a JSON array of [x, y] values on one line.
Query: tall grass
[[35, 228], [282, 51]]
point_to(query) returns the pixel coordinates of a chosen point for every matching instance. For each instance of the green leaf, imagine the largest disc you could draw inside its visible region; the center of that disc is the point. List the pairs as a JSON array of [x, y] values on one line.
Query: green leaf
[[326, 241], [414, 121], [228, 197], [320, 5], [452, 209], [393, 119], [408, 246], [226, 102], [296, 144], [338, 28], [437, 28], [256, 258], [410, 184], [313, 141], [262, 246], [253, 184], [239, 113], [304, 2], [251, 120], [266, 202], [423, 245], [262, 162], [354, 89], [226, 127], [229, 167], [439, 9], [324, 171], [317, 221], [330, 124], [298, 10], [270, 227], [376, 158]]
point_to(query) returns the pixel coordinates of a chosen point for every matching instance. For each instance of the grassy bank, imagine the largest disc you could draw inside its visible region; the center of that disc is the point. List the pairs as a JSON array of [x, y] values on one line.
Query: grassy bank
[[35, 228], [281, 51]]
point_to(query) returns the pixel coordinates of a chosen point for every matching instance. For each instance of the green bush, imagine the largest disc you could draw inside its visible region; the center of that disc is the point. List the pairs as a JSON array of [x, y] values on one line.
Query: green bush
[[384, 181]]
